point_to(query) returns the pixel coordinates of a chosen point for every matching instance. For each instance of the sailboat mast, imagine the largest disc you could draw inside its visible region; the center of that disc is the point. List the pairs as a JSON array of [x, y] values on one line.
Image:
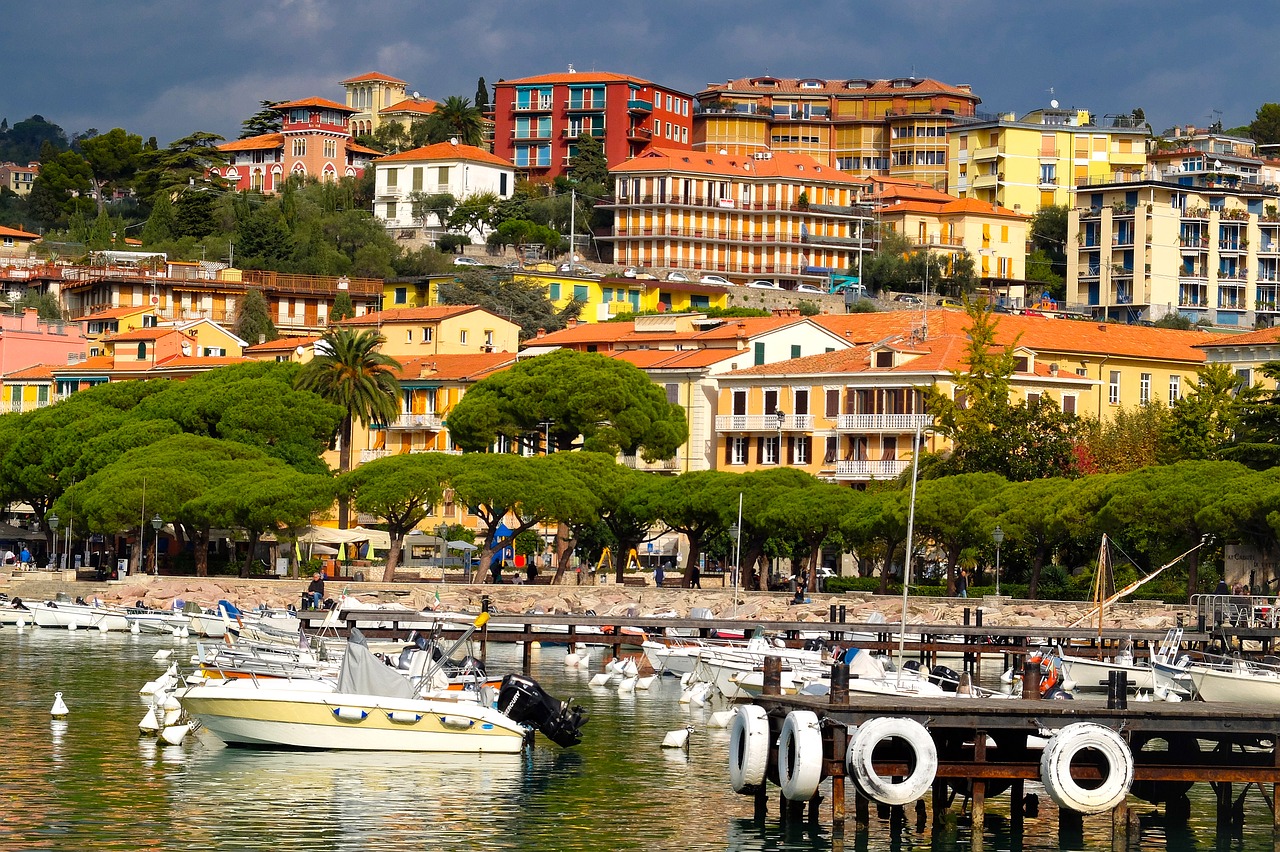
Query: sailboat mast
[[1100, 588]]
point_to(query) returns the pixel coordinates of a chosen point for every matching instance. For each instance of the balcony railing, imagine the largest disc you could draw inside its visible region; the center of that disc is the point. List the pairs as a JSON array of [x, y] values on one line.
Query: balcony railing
[[763, 422], [638, 463], [416, 421], [884, 469], [883, 422]]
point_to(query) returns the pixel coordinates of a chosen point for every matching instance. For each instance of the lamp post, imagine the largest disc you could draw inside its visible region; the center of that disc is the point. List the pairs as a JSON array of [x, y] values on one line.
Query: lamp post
[[441, 532], [156, 523], [736, 532], [52, 521], [782, 418], [997, 535]]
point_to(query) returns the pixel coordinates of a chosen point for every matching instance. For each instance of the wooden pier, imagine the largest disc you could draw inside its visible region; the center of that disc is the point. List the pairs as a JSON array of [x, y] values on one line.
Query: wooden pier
[[987, 746]]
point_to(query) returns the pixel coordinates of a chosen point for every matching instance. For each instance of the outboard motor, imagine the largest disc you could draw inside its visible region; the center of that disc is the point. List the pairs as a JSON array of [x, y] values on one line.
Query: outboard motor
[[523, 701], [945, 678]]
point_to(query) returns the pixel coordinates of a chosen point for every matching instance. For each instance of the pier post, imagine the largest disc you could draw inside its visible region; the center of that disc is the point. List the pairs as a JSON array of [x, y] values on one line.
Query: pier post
[[839, 742], [1017, 806], [761, 804], [526, 656], [978, 807], [1275, 806], [1120, 826], [1030, 680], [939, 804], [772, 676], [861, 812]]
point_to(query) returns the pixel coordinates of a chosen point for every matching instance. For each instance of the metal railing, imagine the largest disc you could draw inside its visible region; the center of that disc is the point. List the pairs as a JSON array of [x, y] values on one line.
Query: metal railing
[[861, 469], [416, 421], [883, 422], [762, 422]]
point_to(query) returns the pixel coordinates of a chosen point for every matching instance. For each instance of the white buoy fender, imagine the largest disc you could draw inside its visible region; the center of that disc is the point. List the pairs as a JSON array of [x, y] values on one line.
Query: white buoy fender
[[149, 725], [800, 755], [174, 734], [627, 684], [601, 679], [748, 748], [678, 738], [720, 719], [645, 682], [922, 759], [59, 709], [1064, 746]]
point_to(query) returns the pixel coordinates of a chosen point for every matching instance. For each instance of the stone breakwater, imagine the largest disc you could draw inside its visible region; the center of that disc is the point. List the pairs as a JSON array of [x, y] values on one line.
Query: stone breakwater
[[607, 600]]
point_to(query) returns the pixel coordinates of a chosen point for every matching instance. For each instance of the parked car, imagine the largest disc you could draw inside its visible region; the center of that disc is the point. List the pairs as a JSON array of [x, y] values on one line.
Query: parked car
[[809, 288], [949, 302], [763, 285], [718, 280], [678, 277], [638, 274], [908, 298], [579, 269], [466, 261]]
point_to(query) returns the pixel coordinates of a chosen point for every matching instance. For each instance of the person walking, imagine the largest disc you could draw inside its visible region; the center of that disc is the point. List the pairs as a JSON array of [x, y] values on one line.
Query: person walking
[[695, 577], [657, 575], [962, 584]]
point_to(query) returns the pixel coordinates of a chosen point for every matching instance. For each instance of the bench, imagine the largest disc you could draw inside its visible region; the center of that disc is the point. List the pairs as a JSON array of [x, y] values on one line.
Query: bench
[[634, 581]]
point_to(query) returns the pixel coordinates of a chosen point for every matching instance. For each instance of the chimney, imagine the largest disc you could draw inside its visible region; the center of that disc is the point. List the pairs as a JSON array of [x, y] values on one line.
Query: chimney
[[542, 332], [1102, 326], [571, 323], [262, 338], [848, 333], [1053, 369]]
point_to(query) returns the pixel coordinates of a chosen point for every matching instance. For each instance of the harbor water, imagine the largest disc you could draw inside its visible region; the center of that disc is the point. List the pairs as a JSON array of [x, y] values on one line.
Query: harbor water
[[90, 782]]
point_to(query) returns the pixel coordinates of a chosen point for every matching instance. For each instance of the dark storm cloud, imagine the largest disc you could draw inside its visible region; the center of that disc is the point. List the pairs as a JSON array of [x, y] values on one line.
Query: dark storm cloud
[[169, 68]]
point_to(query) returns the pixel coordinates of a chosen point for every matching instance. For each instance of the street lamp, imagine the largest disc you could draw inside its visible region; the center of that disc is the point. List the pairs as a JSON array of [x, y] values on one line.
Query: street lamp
[[782, 418], [736, 531], [441, 531], [52, 521], [156, 523], [997, 535]]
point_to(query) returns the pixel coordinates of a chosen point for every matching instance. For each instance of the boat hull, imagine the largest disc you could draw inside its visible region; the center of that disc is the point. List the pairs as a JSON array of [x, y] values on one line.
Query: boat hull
[[1261, 688], [86, 617], [1091, 675], [295, 719]]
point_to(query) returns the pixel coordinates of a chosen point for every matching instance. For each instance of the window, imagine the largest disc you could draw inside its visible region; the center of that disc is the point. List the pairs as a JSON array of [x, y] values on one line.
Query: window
[[408, 335], [391, 210], [402, 295], [1144, 389], [833, 402], [1113, 388], [427, 333], [393, 178], [142, 351], [795, 350], [580, 292], [833, 447], [299, 147], [462, 337], [554, 291], [737, 451], [673, 393], [1175, 389], [769, 450], [488, 338], [417, 178], [1068, 404], [759, 353], [800, 451], [739, 402], [330, 148], [801, 403], [1032, 398]]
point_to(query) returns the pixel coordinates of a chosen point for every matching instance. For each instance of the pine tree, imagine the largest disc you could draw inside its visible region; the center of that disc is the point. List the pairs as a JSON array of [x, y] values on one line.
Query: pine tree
[[482, 95], [253, 320], [342, 307]]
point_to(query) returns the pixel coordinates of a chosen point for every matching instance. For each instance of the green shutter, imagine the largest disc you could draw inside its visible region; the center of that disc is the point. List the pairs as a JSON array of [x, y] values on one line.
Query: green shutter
[[759, 354]]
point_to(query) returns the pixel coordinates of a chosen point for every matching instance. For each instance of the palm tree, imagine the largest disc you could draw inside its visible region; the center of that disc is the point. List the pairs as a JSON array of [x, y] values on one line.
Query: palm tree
[[457, 118], [349, 371]]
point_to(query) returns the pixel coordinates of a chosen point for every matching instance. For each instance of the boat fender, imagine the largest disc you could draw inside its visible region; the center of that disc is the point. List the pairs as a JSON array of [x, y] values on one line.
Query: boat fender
[[922, 759], [800, 755], [1062, 750], [458, 723], [748, 748], [405, 717], [350, 714]]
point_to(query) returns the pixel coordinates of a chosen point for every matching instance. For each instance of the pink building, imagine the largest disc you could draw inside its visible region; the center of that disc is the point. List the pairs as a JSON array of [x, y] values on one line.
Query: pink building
[[27, 341]]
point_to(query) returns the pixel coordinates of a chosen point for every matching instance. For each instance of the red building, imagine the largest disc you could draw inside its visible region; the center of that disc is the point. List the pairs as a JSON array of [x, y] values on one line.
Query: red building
[[537, 120], [314, 139]]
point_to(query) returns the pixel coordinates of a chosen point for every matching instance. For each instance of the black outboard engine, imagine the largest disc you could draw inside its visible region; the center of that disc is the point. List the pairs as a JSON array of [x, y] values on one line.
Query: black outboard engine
[[945, 678], [523, 701]]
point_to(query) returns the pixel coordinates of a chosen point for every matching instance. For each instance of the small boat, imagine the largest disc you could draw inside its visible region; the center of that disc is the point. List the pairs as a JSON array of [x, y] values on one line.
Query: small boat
[[1237, 680], [13, 610], [65, 613], [373, 708], [158, 621]]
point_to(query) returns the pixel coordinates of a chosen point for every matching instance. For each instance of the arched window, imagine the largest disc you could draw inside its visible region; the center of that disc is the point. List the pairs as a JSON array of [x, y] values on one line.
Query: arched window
[[142, 350]]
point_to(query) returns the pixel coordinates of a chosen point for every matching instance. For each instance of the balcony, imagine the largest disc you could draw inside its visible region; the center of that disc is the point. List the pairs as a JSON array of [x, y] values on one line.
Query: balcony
[[640, 134], [990, 152], [763, 423], [1230, 247], [540, 105], [575, 132], [864, 470], [580, 105], [638, 105], [987, 181], [638, 463], [429, 422], [883, 422]]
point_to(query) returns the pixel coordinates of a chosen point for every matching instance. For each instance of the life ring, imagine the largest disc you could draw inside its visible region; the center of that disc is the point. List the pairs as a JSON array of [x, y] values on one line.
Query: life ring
[[748, 748], [922, 759], [800, 755], [1065, 746]]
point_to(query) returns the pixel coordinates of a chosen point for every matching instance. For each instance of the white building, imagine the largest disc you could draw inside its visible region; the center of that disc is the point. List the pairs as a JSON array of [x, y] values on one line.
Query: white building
[[446, 167]]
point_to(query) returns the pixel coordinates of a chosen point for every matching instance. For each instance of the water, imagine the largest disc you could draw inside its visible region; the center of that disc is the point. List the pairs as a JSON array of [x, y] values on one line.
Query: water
[[91, 783]]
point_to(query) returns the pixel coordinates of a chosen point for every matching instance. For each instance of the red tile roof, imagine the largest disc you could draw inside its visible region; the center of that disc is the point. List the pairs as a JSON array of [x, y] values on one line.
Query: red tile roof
[[34, 372], [567, 77], [423, 106], [96, 364], [434, 313], [357, 148], [266, 141], [189, 362], [666, 359], [323, 103], [454, 368], [447, 151], [625, 333], [281, 344], [780, 165], [872, 88], [1265, 336], [17, 234], [372, 75]]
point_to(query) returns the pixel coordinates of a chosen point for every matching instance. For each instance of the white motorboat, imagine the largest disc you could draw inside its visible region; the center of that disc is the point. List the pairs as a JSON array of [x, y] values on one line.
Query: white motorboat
[[157, 621], [1093, 675], [63, 614], [1238, 681], [373, 708], [13, 611]]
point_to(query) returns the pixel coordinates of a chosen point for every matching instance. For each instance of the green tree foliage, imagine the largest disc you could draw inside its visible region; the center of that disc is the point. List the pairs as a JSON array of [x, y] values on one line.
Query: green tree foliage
[[427, 204], [473, 212], [1020, 441], [263, 240], [520, 300], [193, 214], [1202, 423], [25, 141], [521, 232], [349, 372], [1040, 268], [813, 513], [1128, 441], [402, 490], [253, 320], [46, 305], [482, 95], [528, 492], [342, 307], [1175, 321], [456, 118], [1265, 127], [589, 168], [266, 120], [700, 505], [624, 509], [162, 223], [114, 158], [611, 405], [879, 528], [1048, 234], [185, 163], [1257, 438], [63, 187], [945, 511]]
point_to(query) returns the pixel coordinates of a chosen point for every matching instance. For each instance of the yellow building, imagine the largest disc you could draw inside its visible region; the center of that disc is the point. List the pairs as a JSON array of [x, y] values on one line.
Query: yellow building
[[863, 127], [440, 330], [1206, 246], [605, 298], [784, 218], [369, 94], [421, 292], [1038, 160], [297, 350], [1245, 354]]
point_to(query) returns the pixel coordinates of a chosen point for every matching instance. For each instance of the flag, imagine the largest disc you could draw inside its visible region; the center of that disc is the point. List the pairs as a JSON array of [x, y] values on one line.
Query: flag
[[437, 606]]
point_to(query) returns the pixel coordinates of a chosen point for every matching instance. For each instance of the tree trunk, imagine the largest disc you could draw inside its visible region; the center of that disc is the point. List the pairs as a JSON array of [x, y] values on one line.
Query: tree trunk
[[344, 466], [393, 558], [695, 553], [247, 566], [200, 542], [135, 560], [891, 547], [815, 551], [1037, 565], [1193, 574]]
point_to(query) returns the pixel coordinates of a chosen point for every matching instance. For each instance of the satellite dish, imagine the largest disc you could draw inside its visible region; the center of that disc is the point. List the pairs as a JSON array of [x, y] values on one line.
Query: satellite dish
[[416, 96], [724, 151], [453, 140], [299, 350], [1054, 103]]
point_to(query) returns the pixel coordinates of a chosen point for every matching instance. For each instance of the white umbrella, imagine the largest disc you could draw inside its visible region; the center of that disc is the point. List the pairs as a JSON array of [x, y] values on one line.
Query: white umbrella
[[462, 545]]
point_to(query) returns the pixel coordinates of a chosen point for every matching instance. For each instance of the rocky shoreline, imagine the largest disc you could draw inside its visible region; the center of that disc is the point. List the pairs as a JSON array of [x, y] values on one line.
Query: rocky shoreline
[[604, 600]]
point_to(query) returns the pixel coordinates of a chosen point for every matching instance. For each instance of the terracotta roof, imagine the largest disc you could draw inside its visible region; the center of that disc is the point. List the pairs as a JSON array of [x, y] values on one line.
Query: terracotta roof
[[254, 143], [1263, 337], [454, 368], [624, 332], [187, 362], [323, 103], [567, 77], [423, 106], [873, 88], [17, 234], [666, 359], [357, 148], [1040, 334], [153, 333], [780, 165], [115, 313], [281, 344], [447, 151], [437, 312], [372, 75], [96, 364], [36, 371]]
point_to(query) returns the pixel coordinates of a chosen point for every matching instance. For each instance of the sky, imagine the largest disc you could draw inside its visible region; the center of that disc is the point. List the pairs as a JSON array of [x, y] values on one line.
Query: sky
[[167, 68]]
